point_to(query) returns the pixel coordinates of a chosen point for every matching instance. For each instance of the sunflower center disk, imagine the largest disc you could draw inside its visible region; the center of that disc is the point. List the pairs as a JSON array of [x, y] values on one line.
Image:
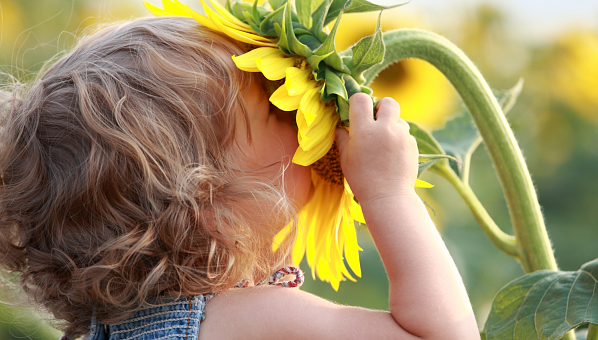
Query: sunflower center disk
[[329, 167]]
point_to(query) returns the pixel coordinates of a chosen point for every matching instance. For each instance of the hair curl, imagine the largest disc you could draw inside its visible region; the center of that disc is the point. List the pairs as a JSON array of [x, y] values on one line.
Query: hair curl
[[118, 181]]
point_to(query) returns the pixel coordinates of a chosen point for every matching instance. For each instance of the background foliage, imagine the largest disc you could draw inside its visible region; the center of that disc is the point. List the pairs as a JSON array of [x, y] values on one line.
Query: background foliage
[[555, 121]]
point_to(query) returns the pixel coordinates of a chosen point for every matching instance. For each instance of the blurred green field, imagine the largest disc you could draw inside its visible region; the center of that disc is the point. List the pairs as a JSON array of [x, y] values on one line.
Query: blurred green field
[[555, 121]]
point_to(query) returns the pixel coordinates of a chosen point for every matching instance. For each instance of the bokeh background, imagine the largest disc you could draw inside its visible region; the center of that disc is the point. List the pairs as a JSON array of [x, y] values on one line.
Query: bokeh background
[[553, 45]]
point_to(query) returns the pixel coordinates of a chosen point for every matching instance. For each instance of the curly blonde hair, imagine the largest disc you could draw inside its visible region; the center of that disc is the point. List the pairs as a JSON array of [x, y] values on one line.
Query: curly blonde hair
[[119, 184]]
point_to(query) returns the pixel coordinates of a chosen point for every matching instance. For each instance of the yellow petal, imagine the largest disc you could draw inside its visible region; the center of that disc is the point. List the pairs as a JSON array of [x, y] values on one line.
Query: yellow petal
[[317, 133], [281, 99], [279, 238], [356, 212], [171, 8], [322, 125], [311, 105], [422, 184], [274, 67], [241, 36], [246, 61], [297, 81], [175, 8], [228, 16], [306, 158], [241, 29], [203, 20], [351, 247]]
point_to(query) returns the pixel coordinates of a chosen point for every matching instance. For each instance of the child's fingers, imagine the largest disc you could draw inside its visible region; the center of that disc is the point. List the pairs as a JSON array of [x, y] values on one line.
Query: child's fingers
[[388, 110], [361, 112]]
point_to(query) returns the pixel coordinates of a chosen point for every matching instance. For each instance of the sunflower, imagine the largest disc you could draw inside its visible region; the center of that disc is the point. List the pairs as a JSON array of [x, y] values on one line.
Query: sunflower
[[317, 85]]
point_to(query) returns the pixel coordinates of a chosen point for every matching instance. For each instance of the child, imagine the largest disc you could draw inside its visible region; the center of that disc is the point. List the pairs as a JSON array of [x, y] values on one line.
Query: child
[[143, 172]]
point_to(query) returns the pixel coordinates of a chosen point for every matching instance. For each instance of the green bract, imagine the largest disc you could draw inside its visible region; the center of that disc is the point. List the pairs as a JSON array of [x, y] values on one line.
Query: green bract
[[300, 28]]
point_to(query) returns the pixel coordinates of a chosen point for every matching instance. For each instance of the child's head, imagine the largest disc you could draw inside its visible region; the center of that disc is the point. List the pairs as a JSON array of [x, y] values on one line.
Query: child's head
[[121, 180]]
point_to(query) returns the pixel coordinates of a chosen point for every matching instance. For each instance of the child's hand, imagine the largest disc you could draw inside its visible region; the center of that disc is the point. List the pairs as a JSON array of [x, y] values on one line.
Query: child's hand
[[379, 157]]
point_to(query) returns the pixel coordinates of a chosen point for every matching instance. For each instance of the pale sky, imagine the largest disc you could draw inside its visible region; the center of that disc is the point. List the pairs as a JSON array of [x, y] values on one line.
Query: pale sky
[[530, 19]]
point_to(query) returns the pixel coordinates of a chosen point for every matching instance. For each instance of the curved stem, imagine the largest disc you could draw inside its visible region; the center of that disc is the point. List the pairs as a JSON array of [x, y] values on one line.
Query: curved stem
[[592, 332], [501, 240], [533, 246]]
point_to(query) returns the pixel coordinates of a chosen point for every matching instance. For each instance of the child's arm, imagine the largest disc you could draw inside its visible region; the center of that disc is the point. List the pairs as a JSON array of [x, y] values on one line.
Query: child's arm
[[379, 159], [427, 297]]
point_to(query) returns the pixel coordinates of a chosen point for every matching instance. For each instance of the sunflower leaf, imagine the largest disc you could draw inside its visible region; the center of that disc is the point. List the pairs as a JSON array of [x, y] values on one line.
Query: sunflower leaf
[[460, 137], [357, 6], [426, 144], [368, 52], [426, 161], [288, 33], [544, 305]]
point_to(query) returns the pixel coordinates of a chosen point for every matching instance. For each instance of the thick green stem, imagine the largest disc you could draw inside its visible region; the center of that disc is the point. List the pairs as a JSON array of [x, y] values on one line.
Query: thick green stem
[[592, 332], [501, 240], [533, 246]]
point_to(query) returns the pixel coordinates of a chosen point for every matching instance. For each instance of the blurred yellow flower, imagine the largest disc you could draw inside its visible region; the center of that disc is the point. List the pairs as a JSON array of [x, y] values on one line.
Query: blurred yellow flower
[[425, 96], [573, 66]]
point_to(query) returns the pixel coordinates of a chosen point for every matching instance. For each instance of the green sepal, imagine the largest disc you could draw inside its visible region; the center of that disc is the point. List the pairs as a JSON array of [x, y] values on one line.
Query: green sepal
[[300, 31], [304, 10], [250, 19], [368, 52], [276, 4], [335, 85], [267, 26], [342, 107], [236, 9], [351, 85], [329, 48], [310, 41], [288, 35], [318, 16], [314, 61], [356, 6], [325, 97], [282, 43]]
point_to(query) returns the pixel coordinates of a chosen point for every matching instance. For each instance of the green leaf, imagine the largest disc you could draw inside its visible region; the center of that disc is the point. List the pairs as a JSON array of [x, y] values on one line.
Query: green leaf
[[357, 6], [544, 305], [426, 161], [426, 144], [335, 84], [288, 33], [368, 51], [460, 136]]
